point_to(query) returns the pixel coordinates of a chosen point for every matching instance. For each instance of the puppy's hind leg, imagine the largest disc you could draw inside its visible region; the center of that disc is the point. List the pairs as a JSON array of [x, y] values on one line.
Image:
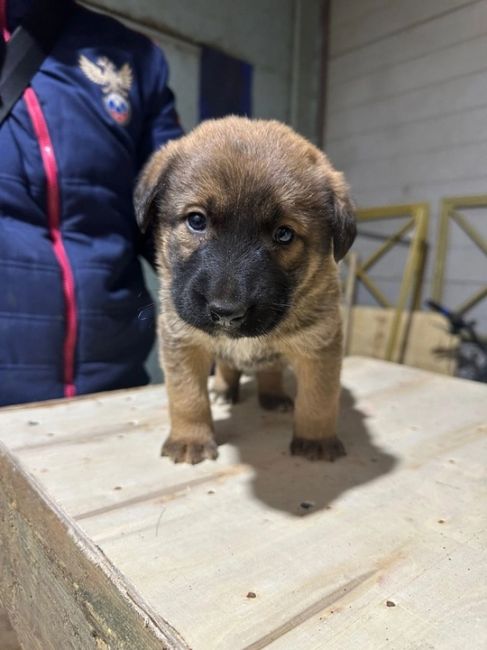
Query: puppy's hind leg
[[271, 392], [226, 385], [191, 439]]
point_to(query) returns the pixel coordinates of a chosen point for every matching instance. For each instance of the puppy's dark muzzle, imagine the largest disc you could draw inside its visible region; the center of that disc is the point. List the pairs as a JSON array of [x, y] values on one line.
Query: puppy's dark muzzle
[[226, 314]]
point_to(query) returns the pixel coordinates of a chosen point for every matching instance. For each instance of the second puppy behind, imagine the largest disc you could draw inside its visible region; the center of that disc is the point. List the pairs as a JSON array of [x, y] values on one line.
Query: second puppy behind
[[250, 221]]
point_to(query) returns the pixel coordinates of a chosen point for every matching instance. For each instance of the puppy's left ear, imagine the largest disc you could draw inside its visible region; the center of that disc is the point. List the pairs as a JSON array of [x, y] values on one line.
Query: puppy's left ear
[[151, 184], [343, 225]]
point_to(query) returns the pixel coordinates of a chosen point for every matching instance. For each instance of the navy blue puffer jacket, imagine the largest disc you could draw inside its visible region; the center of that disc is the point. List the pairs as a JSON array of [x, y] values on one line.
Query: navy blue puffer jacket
[[71, 286]]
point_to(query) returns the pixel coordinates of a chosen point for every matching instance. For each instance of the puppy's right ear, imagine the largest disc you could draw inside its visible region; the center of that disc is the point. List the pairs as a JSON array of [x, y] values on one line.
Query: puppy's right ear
[[343, 224], [151, 184]]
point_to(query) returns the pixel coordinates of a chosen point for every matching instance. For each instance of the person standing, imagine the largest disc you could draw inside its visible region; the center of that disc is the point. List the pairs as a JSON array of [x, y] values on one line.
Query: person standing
[[71, 283]]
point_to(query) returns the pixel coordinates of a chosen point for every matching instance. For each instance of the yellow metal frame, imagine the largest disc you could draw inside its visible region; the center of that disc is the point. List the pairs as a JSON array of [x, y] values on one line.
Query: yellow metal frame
[[418, 217], [450, 212]]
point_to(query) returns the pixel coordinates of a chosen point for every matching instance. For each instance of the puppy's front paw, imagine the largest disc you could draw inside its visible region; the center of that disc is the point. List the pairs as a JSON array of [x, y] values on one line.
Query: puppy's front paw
[[281, 403], [189, 451], [324, 449]]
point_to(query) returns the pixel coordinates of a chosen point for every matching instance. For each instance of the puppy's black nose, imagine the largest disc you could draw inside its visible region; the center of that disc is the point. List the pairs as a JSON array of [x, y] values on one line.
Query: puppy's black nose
[[226, 314]]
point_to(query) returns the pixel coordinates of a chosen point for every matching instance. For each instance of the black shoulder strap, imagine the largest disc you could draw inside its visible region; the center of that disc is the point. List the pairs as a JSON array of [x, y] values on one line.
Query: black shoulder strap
[[29, 45]]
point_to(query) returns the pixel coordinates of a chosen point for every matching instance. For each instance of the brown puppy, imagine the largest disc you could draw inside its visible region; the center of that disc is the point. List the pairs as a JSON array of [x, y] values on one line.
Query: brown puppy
[[250, 222]]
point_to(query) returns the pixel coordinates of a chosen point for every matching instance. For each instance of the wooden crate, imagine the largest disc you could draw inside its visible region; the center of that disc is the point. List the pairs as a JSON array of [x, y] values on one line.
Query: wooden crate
[[423, 341], [106, 545]]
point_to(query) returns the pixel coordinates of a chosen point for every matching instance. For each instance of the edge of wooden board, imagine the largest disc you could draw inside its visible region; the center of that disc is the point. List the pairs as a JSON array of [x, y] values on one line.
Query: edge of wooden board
[[58, 587]]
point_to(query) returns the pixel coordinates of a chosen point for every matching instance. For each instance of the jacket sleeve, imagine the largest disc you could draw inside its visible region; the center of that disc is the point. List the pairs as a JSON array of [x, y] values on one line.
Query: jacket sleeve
[[161, 122]]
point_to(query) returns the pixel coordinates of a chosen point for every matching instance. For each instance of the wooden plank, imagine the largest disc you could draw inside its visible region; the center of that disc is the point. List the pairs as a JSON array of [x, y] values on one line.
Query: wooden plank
[[194, 541], [399, 79], [384, 20], [432, 165], [426, 136], [441, 33], [58, 587], [452, 96], [351, 9], [432, 192], [8, 638], [429, 344], [39, 425]]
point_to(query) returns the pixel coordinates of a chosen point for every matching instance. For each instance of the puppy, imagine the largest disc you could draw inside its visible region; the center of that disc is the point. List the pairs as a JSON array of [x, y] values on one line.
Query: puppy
[[250, 221]]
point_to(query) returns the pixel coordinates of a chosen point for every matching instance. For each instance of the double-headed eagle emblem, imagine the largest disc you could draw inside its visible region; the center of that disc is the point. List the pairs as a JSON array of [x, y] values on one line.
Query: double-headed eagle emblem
[[114, 83]]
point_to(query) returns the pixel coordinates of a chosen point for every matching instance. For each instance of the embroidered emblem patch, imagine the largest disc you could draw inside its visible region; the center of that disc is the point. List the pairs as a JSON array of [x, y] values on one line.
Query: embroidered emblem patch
[[114, 83]]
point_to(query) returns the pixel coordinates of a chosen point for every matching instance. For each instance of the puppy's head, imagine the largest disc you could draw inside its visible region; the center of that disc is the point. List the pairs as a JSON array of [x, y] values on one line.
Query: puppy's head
[[247, 214]]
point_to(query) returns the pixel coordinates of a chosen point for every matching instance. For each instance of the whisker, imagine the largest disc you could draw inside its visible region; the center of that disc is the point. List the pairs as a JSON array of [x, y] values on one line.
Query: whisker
[[143, 313], [279, 304]]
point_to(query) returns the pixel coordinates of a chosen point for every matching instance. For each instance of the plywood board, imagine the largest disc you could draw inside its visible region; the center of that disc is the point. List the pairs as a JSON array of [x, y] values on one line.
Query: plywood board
[[8, 638], [385, 548], [58, 587], [428, 344]]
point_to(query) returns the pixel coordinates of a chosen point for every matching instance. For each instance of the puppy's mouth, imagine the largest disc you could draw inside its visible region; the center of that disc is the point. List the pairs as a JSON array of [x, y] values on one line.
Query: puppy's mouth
[[232, 320], [239, 321]]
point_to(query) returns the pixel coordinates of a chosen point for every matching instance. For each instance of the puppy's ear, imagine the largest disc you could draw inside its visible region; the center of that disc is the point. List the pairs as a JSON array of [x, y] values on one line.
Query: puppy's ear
[[343, 226], [151, 184]]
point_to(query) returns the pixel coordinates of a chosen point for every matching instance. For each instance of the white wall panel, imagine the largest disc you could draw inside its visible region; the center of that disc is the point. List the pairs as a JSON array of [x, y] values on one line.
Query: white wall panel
[[407, 114], [387, 18], [430, 69], [462, 24]]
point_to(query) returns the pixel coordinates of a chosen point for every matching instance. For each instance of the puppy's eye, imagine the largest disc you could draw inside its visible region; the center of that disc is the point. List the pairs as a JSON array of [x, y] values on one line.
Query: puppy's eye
[[196, 221], [283, 235]]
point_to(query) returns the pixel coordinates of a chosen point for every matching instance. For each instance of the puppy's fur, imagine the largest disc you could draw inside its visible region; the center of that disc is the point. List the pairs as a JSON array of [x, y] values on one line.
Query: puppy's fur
[[236, 293]]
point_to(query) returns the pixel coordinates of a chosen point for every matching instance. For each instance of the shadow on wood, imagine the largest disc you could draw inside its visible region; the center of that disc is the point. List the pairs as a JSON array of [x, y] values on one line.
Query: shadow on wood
[[293, 484], [8, 638]]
